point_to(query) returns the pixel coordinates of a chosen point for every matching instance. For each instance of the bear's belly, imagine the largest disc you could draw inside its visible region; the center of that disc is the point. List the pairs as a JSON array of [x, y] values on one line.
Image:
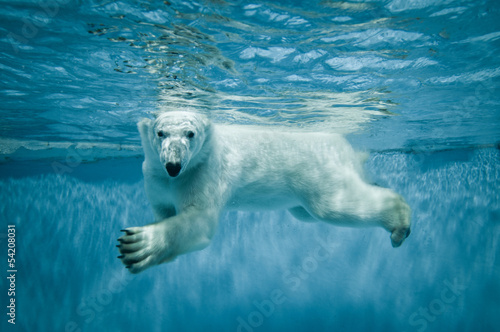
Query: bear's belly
[[259, 198]]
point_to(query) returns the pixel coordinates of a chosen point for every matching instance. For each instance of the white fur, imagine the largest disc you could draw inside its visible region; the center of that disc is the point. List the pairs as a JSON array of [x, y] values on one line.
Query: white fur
[[315, 176]]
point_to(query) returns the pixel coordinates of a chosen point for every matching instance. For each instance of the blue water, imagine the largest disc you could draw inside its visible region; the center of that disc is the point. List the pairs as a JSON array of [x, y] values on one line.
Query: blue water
[[416, 83]]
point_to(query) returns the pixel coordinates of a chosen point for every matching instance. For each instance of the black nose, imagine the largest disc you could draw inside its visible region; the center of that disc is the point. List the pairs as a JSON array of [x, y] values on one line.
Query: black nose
[[173, 169]]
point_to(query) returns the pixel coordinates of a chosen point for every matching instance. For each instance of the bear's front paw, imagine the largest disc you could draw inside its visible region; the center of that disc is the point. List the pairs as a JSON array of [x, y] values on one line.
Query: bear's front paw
[[399, 221], [143, 247]]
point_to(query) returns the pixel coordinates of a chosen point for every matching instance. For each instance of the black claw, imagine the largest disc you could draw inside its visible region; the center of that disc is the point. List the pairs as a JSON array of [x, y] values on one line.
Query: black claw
[[121, 256], [126, 231], [128, 266], [118, 245], [120, 240]]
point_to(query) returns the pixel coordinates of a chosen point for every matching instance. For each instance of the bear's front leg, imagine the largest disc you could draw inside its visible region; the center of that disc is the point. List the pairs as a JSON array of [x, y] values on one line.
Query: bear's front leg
[[161, 242]]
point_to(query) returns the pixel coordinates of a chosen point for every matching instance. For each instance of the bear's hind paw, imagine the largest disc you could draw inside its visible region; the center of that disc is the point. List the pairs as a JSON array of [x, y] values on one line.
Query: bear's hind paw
[[398, 236]]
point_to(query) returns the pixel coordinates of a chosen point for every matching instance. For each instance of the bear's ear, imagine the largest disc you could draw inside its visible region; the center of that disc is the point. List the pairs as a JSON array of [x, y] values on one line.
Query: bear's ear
[[205, 122], [144, 127], [146, 130], [363, 157]]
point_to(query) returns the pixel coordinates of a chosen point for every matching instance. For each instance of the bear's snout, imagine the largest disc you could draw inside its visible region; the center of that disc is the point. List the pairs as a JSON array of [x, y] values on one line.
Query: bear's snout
[[173, 169]]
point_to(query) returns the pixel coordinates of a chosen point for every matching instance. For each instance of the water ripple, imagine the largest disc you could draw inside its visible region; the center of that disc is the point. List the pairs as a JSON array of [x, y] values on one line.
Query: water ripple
[[90, 72]]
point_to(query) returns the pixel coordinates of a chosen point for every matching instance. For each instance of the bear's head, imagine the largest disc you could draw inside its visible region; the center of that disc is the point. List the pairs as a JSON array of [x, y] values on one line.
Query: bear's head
[[178, 138]]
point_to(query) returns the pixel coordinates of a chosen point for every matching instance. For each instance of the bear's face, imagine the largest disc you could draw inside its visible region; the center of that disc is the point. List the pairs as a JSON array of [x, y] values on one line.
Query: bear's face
[[178, 138]]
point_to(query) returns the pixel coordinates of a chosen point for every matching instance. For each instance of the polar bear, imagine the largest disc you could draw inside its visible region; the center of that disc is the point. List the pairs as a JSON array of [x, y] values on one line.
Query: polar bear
[[195, 169]]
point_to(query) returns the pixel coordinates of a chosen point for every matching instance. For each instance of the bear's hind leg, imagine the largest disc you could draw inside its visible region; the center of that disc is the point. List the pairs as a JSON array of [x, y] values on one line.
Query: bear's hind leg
[[398, 220], [301, 214], [354, 203]]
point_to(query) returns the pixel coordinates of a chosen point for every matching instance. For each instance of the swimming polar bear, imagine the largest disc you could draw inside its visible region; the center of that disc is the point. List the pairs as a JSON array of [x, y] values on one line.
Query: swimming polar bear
[[194, 170]]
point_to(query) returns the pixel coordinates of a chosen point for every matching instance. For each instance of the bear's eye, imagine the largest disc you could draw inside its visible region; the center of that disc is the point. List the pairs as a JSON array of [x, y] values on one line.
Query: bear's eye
[[160, 134], [190, 134]]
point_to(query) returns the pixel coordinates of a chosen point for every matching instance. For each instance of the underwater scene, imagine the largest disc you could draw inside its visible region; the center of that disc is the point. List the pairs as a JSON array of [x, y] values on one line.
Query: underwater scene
[[415, 84]]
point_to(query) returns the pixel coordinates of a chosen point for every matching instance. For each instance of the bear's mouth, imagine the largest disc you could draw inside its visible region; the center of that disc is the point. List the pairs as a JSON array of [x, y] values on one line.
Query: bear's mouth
[[173, 169]]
